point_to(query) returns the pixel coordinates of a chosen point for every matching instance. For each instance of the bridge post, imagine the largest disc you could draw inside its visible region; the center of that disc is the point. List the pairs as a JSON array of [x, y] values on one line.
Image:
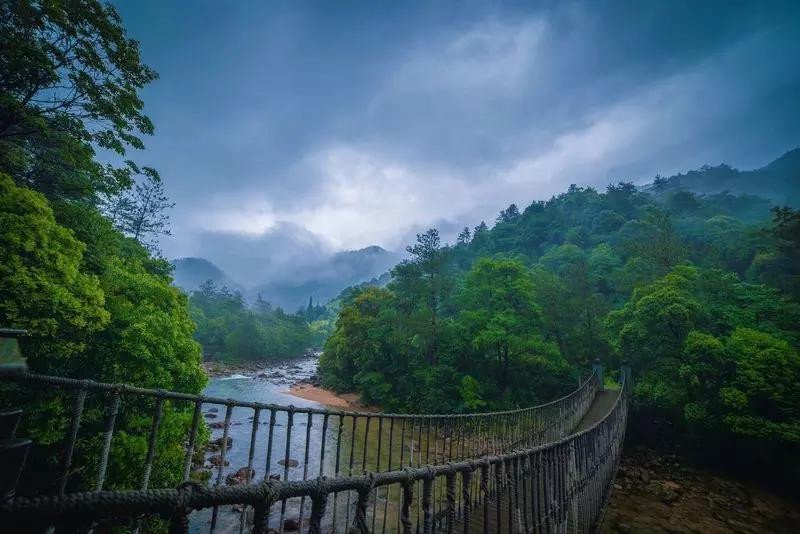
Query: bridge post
[[598, 368], [625, 373], [13, 450]]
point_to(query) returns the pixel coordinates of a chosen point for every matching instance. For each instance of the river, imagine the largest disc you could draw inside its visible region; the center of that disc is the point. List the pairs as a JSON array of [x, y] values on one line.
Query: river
[[317, 445], [269, 385]]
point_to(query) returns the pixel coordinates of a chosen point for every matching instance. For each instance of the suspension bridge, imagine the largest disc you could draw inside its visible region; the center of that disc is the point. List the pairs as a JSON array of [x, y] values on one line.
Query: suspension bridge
[[542, 469]]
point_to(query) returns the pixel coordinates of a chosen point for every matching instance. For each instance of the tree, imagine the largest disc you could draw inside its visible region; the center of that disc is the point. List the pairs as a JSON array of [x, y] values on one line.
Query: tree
[[141, 212], [683, 202], [656, 239], [228, 329], [652, 328], [501, 319], [70, 81], [623, 199], [509, 215], [114, 318], [422, 284], [42, 288], [660, 183], [464, 237], [786, 230], [361, 352]]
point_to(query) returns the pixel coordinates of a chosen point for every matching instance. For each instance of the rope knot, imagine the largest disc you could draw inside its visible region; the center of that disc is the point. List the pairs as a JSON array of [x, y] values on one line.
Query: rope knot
[[408, 476], [450, 470], [430, 473], [185, 491], [369, 481]]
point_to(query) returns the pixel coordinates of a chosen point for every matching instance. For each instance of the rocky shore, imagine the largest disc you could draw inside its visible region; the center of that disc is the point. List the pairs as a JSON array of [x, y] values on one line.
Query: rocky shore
[[257, 368], [659, 493]]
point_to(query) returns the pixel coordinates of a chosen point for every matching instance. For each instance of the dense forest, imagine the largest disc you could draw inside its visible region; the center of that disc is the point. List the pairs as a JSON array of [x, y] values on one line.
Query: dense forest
[[229, 329], [79, 266], [698, 293]]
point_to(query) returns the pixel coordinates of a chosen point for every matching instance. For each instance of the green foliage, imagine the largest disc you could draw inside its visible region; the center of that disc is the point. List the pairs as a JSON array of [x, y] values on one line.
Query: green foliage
[[70, 83], [97, 304], [42, 288], [487, 343], [100, 309], [500, 317], [696, 292], [230, 330]]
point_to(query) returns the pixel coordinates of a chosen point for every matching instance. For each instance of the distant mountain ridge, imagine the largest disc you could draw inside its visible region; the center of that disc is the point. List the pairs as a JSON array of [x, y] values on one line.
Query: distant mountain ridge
[[779, 181], [189, 273], [344, 269], [335, 273]]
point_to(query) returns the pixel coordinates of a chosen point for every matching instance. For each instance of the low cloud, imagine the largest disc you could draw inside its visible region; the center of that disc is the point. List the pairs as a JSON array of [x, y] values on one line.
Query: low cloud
[[428, 124]]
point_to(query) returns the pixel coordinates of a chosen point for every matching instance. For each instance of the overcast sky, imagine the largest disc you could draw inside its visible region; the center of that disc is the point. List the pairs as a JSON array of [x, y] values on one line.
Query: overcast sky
[[292, 127]]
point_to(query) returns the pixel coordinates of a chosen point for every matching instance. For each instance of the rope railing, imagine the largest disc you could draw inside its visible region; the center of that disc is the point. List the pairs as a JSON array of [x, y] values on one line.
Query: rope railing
[[558, 486], [351, 440]]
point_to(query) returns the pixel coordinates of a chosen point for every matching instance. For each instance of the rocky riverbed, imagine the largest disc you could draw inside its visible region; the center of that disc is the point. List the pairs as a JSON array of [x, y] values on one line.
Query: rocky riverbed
[[277, 371], [659, 493], [261, 381]]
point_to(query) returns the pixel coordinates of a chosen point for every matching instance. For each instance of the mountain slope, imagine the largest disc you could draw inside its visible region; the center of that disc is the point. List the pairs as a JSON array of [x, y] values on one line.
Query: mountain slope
[[341, 270], [330, 276], [190, 273], [778, 181]]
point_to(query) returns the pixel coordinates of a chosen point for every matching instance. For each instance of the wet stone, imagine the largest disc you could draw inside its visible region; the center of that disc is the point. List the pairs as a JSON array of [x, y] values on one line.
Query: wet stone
[[216, 460], [216, 444], [240, 476]]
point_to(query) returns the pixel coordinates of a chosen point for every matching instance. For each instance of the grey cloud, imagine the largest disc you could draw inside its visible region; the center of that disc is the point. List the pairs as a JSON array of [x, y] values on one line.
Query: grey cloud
[[317, 129]]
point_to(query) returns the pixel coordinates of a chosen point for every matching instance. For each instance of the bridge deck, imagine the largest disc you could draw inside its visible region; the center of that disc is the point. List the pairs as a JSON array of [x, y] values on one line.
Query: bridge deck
[[600, 407]]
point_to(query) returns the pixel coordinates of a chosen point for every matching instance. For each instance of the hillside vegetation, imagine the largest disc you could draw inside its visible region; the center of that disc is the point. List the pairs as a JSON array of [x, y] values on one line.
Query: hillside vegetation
[[229, 329], [699, 293], [78, 266], [777, 181]]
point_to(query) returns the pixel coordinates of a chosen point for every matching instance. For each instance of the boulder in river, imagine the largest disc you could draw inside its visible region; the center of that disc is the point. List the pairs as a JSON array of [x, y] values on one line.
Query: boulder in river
[[240, 476], [216, 444], [291, 462], [216, 460]]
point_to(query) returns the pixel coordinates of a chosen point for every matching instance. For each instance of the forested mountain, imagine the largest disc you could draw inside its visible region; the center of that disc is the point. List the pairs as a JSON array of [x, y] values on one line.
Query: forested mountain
[[699, 293], [191, 273], [329, 277], [779, 181], [234, 323], [228, 328]]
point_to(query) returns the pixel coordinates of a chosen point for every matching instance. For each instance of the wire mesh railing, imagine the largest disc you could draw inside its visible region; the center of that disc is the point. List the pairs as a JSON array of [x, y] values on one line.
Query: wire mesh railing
[[559, 486]]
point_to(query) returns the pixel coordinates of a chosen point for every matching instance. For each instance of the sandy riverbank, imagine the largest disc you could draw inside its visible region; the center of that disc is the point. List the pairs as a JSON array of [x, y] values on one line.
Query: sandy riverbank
[[349, 401]]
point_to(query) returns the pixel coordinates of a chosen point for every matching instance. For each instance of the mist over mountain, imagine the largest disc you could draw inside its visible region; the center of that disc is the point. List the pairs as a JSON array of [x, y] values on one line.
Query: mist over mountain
[[288, 264], [190, 273], [320, 277], [779, 181]]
